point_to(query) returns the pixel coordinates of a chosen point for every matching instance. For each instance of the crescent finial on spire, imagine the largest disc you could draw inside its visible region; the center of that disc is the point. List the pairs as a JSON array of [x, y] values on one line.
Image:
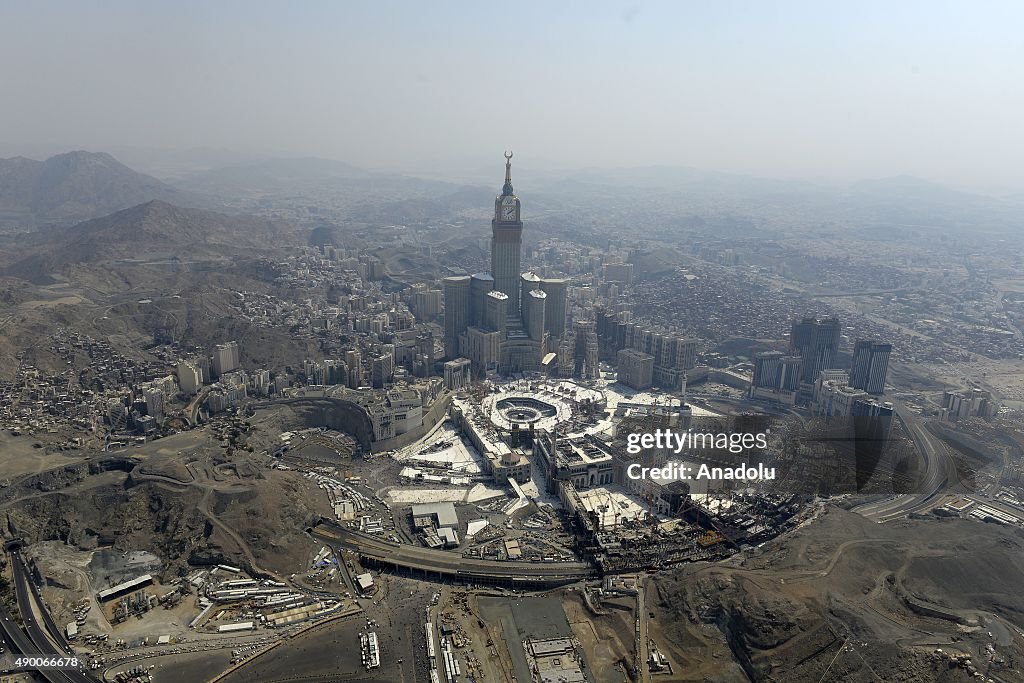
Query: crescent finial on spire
[[507, 189]]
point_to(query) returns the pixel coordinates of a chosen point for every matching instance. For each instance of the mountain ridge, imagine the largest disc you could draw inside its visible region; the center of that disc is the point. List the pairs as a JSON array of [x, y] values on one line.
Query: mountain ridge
[[75, 186], [153, 230]]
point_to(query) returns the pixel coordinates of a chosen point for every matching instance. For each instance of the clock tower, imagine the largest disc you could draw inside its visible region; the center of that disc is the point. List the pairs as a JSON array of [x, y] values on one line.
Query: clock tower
[[507, 241]]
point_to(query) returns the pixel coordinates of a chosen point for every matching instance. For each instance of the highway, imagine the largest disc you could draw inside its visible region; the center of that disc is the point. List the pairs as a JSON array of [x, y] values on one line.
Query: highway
[[416, 558], [18, 641], [191, 411], [939, 471], [938, 478], [34, 639], [642, 653], [56, 633]]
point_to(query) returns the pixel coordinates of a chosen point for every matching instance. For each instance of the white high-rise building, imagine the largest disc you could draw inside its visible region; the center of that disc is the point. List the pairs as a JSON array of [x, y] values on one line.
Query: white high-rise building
[[154, 402], [190, 378], [225, 358]]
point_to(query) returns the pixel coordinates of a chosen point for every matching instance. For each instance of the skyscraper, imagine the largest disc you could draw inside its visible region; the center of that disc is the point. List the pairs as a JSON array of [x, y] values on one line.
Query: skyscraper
[[554, 311], [507, 241], [480, 285], [495, 311], [870, 365], [534, 301], [817, 343], [456, 313], [586, 352], [354, 363], [189, 378], [225, 357]]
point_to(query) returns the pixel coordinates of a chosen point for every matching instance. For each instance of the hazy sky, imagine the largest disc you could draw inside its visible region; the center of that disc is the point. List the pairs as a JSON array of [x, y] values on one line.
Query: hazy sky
[[819, 89]]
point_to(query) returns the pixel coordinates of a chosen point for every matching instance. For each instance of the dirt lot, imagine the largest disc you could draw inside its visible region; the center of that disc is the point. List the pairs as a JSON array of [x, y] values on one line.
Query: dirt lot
[[606, 638], [21, 457]]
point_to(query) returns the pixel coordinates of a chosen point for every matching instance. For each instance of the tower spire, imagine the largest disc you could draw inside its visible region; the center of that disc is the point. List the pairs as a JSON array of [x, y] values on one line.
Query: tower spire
[[507, 189]]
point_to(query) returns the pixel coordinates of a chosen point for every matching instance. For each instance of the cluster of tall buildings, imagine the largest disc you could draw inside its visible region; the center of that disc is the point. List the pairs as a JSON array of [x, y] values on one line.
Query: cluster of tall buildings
[[816, 342], [508, 321], [143, 410], [645, 357], [231, 389], [505, 321], [199, 370], [222, 369], [329, 372], [810, 363], [349, 371], [970, 403]]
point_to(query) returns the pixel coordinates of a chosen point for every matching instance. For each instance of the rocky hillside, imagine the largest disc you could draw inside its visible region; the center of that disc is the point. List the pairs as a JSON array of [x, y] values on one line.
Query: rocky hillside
[[72, 187], [153, 231]]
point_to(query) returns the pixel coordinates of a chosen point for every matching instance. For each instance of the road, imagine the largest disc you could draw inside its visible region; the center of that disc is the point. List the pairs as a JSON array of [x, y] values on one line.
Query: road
[[442, 563], [34, 639], [939, 470], [432, 616], [191, 411], [939, 474], [19, 642], [641, 633]]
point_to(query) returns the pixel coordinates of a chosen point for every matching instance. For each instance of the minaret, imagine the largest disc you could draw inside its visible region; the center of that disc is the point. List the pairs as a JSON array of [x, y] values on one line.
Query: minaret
[[507, 241]]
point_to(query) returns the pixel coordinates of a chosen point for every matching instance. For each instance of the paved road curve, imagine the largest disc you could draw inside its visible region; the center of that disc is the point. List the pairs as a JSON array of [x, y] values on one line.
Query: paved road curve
[[939, 477], [34, 640]]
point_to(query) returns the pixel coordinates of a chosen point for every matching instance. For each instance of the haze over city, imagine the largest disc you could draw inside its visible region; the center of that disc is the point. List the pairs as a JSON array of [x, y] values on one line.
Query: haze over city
[[590, 342], [828, 92]]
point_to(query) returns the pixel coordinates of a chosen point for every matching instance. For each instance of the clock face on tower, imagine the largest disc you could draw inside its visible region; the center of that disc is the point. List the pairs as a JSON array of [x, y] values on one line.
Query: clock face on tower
[[508, 213]]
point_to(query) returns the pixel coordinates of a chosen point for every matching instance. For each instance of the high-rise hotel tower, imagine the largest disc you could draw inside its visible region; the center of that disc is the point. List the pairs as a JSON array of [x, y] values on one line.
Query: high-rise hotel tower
[[507, 241], [504, 321]]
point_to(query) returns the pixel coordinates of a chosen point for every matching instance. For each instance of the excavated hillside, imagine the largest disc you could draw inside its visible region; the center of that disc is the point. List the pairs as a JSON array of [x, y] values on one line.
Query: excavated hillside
[[846, 599], [205, 511]]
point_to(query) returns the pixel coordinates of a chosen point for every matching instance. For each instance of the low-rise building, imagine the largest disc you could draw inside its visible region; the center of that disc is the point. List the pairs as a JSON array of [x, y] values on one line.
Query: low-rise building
[[585, 461], [501, 460]]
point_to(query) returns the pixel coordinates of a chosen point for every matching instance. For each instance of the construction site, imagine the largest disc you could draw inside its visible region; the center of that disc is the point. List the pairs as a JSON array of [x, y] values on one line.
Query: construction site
[[507, 498], [525, 484]]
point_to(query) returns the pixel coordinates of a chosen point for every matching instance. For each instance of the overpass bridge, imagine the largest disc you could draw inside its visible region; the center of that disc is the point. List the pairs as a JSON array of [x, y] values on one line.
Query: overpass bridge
[[441, 565]]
